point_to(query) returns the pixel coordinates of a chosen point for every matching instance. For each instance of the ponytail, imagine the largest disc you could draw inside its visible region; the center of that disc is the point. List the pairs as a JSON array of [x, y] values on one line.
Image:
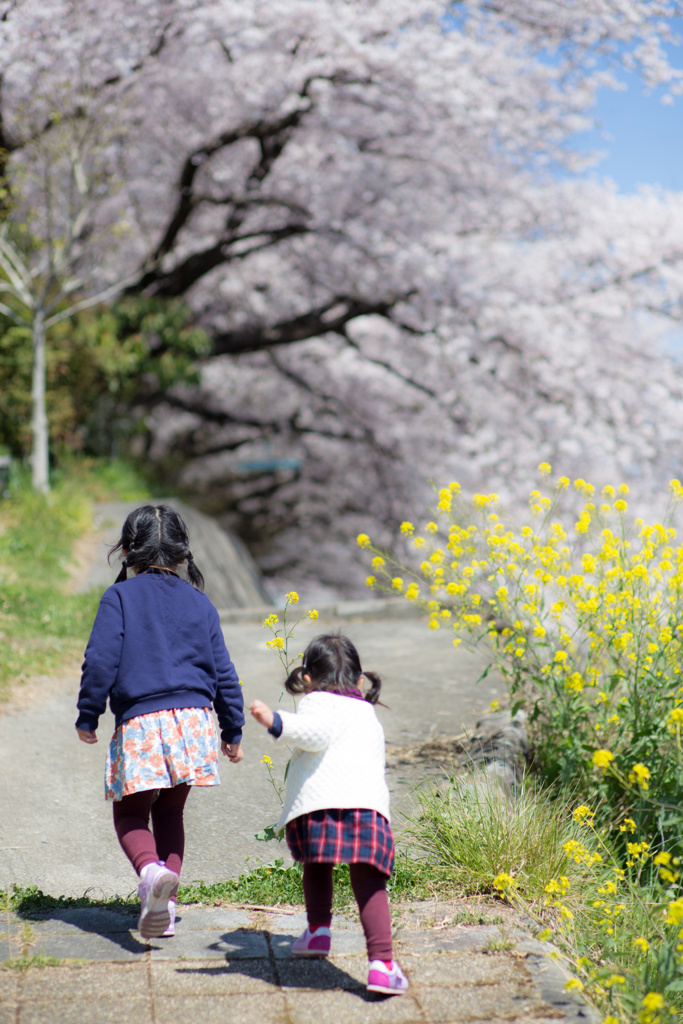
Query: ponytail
[[123, 575], [372, 696], [194, 575]]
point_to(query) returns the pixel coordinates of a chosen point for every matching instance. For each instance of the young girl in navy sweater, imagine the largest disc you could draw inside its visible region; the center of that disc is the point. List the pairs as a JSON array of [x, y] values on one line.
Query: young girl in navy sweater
[[336, 804], [157, 652]]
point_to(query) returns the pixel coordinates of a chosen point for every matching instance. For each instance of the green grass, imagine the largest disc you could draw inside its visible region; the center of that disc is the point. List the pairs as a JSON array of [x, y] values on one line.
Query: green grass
[[608, 917], [268, 885], [43, 626], [476, 834]]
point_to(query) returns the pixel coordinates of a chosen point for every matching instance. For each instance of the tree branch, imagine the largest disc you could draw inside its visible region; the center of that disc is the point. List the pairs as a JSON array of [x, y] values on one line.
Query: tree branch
[[332, 316], [179, 280]]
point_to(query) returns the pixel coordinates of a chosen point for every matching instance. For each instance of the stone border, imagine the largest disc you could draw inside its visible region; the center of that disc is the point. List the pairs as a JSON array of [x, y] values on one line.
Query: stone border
[[382, 608]]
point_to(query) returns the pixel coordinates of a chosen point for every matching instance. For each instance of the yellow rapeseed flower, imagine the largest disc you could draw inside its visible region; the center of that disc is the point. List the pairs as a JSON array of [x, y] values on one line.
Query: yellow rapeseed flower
[[674, 720], [407, 528], [602, 759], [363, 540], [266, 760], [620, 506], [584, 815], [397, 583], [674, 913], [276, 644], [292, 597], [642, 944], [573, 985], [676, 489], [503, 881], [583, 487], [313, 614], [651, 1003], [271, 620], [370, 581], [639, 775]]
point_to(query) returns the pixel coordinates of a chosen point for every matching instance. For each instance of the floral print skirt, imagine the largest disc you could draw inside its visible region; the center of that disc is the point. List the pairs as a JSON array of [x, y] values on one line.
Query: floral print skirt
[[161, 750]]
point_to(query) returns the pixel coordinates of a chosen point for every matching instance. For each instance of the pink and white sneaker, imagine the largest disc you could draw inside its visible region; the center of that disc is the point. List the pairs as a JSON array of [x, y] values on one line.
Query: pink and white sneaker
[[313, 943], [390, 982], [170, 931], [155, 889]]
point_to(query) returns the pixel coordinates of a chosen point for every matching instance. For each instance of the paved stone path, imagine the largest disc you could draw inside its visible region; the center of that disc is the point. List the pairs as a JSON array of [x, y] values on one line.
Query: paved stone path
[[234, 964]]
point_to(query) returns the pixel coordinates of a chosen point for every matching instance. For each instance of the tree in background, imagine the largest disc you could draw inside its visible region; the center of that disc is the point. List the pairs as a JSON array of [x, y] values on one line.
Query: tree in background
[[361, 204], [54, 200]]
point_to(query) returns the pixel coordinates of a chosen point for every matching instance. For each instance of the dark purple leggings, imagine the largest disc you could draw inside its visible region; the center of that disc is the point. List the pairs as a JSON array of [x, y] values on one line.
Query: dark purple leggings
[[166, 841], [370, 889]]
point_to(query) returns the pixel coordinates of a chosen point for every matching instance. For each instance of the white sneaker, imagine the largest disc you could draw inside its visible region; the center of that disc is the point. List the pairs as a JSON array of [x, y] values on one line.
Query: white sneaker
[[170, 931], [156, 886]]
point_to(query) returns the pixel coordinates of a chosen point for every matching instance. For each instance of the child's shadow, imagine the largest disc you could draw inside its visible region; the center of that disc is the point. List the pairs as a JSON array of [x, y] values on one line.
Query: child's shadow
[[112, 925], [276, 969]]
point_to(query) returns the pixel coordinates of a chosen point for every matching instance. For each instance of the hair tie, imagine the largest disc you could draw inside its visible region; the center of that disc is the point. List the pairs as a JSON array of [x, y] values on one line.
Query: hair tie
[[124, 563], [189, 556]]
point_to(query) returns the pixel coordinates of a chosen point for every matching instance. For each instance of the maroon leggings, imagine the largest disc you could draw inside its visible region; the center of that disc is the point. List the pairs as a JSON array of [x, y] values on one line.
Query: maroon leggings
[[370, 889], [166, 841]]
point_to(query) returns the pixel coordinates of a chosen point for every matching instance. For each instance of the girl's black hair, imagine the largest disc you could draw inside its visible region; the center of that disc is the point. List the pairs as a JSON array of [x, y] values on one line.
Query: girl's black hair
[[333, 664], [155, 535]]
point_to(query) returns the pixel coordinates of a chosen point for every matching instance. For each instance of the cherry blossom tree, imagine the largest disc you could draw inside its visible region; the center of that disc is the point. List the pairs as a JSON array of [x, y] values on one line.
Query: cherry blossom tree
[[373, 209]]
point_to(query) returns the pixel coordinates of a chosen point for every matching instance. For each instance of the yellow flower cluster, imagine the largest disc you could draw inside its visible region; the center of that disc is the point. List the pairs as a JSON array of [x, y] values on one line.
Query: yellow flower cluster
[[580, 607]]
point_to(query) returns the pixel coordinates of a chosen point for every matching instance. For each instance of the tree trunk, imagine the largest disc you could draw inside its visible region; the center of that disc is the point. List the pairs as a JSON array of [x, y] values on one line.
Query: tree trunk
[[39, 425]]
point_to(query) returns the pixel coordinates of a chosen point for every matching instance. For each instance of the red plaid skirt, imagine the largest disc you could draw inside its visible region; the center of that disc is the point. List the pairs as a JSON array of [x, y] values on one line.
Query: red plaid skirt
[[351, 835]]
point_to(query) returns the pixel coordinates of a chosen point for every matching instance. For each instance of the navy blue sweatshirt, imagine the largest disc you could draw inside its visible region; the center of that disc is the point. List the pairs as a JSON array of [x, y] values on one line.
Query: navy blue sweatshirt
[[156, 644]]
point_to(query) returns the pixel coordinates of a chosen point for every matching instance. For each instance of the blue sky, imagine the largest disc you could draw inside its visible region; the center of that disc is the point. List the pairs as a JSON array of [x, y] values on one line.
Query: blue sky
[[642, 137]]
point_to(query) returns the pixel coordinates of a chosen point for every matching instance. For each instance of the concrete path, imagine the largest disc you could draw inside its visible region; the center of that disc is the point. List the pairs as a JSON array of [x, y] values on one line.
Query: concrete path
[[55, 828], [230, 963]]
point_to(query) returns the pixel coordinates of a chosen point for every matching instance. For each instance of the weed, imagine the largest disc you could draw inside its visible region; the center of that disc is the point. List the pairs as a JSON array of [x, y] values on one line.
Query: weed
[[22, 963]]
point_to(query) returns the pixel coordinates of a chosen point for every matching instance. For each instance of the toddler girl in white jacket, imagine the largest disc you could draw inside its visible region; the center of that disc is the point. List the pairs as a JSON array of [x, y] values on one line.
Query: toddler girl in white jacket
[[336, 804]]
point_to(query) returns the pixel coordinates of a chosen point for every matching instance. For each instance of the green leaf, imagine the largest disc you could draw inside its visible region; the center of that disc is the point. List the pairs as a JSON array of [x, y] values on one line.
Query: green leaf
[[268, 833]]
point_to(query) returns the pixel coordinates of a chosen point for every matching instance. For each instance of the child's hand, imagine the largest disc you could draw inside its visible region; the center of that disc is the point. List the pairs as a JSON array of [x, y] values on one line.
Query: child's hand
[[262, 713], [87, 737], [233, 751]]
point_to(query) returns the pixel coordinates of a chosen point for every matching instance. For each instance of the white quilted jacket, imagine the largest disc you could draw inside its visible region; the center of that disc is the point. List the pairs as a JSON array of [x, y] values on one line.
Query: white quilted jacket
[[337, 756]]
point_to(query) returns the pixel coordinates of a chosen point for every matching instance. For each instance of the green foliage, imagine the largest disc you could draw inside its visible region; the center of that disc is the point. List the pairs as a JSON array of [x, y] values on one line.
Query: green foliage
[[98, 365], [30, 901], [469, 826], [42, 625], [267, 885]]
